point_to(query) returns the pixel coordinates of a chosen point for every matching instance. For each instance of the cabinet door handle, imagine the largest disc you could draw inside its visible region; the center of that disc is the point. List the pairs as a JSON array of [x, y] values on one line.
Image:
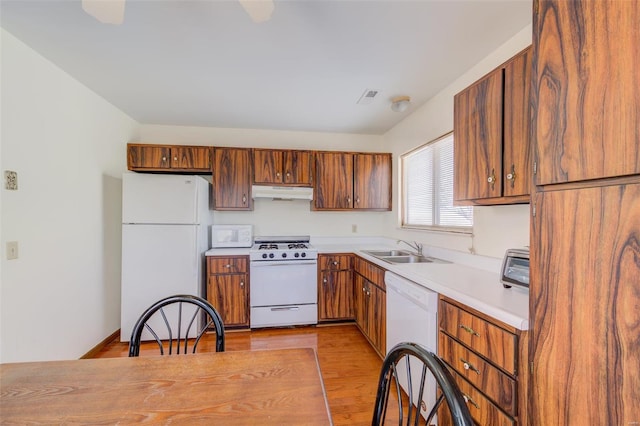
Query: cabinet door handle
[[228, 265], [511, 177], [335, 263], [467, 398], [492, 178], [175, 158], [468, 330], [288, 174], [164, 159], [241, 283], [277, 174], [357, 200], [324, 280], [468, 366], [244, 198]]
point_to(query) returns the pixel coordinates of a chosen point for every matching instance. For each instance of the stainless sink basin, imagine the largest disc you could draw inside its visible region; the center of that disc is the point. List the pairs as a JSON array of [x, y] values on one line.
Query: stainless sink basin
[[385, 253], [402, 256]]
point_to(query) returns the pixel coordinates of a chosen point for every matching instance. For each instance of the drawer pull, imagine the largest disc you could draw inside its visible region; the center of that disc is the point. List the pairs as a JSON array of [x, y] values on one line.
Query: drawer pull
[[468, 366], [227, 266], [468, 330], [467, 398]]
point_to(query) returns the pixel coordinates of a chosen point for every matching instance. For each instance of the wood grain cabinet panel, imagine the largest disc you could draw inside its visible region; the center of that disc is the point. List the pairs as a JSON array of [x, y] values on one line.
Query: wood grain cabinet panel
[[585, 306], [586, 89], [371, 303], [335, 287], [483, 411], [497, 386], [489, 359], [372, 181], [492, 160], [480, 335], [168, 158], [231, 180], [282, 167], [334, 181], [228, 289], [352, 181]]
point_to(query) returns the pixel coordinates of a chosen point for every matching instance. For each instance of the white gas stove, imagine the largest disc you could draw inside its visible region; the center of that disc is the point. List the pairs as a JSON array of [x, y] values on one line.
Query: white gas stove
[[282, 248], [284, 288]]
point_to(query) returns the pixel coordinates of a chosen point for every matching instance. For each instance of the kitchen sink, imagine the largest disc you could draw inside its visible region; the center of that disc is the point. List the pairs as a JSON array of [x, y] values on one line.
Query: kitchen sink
[[412, 259], [386, 253], [402, 256]]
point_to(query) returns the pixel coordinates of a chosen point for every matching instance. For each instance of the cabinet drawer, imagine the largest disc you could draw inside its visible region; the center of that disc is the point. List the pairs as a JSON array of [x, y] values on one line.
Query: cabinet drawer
[[484, 413], [227, 265], [371, 272], [483, 337], [495, 384], [334, 262]]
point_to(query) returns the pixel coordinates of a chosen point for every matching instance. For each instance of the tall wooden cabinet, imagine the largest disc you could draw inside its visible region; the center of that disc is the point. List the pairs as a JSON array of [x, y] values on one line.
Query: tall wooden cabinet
[[347, 181], [335, 287], [585, 235], [231, 179], [228, 288], [492, 161]]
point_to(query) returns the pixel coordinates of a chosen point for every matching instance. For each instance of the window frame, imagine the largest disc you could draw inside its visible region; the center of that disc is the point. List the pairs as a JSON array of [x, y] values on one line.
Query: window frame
[[467, 230]]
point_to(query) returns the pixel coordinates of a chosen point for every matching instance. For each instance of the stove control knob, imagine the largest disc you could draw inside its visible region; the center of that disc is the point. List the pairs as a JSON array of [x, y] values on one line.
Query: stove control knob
[[264, 255], [271, 255], [284, 254], [304, 254], [297, 255]]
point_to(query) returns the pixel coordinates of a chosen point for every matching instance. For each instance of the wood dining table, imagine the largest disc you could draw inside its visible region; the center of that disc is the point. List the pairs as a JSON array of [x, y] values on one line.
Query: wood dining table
[[269, 387]]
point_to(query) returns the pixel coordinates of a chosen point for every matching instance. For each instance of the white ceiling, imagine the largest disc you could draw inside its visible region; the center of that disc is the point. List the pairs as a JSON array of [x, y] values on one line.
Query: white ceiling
[[205, 63]]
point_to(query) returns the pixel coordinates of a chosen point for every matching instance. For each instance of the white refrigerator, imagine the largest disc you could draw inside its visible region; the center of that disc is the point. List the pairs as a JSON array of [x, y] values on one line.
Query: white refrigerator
[[165, 233]]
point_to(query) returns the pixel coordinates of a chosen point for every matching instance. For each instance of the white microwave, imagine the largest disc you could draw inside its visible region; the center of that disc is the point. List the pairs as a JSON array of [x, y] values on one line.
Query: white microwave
[[231, 236]]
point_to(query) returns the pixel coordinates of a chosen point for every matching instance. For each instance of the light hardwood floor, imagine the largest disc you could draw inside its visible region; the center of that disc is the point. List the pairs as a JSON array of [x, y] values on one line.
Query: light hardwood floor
[[350, 367]]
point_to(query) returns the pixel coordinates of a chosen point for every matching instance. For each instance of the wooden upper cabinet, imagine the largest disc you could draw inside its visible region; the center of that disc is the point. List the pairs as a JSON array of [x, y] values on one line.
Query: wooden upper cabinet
[[516, 161], [334, 181], [586, 90], [232, 179], [372, 181], [347, 180], [168, 158], [282, 167], [491, 136]]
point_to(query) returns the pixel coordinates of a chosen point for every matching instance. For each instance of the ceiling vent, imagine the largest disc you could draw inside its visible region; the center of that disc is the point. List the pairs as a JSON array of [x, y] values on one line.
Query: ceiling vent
[[367, 97]]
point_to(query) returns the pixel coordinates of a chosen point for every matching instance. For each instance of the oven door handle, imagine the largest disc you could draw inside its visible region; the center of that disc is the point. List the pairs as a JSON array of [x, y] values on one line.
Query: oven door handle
[[286, 308], [269, 263]]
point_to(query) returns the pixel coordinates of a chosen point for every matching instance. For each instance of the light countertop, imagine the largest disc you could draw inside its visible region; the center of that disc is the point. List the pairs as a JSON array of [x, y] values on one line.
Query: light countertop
[[477, 286]]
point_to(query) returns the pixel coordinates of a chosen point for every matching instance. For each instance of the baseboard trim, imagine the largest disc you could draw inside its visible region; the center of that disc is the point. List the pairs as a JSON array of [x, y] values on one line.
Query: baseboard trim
[[97, 348]]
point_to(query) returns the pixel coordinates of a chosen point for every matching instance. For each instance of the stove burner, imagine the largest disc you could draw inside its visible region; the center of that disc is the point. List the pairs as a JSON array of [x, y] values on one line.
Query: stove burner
[[268, 247], [297, 246]]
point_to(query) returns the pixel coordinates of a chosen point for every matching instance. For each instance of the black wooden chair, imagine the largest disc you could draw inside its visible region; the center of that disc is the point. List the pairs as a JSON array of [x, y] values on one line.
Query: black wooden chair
[[178, 320], [411, 355]]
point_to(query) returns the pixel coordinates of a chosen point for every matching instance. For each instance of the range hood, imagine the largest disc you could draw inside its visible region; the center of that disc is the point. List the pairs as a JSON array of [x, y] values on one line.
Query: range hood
[[282, 192]]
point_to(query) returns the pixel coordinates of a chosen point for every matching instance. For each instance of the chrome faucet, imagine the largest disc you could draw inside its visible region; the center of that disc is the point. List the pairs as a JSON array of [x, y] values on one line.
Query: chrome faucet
[[414, 245]]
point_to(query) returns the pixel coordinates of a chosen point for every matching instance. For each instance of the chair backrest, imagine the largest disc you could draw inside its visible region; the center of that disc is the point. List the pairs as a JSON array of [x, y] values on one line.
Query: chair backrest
[[412, 356], [178, 330]]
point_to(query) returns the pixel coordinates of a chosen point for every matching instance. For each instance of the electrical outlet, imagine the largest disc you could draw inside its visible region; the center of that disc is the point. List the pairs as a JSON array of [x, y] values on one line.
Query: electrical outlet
[[354, 228], [10, 180], [12, 250]]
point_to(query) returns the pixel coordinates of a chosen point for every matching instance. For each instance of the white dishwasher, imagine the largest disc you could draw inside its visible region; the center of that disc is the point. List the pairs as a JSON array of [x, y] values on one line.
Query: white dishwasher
[[412, 316]]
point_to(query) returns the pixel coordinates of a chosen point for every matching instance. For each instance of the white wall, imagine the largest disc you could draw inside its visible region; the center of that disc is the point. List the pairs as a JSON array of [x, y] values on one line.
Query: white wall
[[281, 217], [62, 295], [495, 228]]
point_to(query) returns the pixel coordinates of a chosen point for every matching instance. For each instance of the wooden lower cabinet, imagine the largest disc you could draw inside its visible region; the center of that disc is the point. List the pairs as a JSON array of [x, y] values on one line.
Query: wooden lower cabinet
[[335, 287], [370, 303], [489, 361], [228, 289]]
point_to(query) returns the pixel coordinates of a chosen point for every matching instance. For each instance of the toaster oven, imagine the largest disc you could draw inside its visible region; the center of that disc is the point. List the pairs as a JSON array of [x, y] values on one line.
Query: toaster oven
[[515, 268]]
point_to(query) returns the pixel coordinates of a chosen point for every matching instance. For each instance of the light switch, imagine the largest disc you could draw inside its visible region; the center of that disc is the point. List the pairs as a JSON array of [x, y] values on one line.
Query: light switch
[[12, 250]]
